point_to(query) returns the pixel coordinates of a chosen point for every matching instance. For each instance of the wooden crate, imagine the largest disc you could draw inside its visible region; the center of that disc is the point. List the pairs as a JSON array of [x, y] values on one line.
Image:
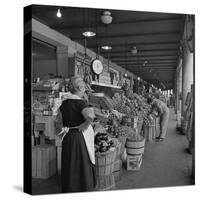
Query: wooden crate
[[43, 161], [134, 162]]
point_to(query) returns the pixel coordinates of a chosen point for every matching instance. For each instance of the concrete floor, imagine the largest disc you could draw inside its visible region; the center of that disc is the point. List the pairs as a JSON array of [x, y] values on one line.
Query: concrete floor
[[164, 164]]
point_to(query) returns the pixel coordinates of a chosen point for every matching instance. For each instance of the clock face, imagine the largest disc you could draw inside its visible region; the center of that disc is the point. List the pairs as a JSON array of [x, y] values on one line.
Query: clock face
[[97, 66]]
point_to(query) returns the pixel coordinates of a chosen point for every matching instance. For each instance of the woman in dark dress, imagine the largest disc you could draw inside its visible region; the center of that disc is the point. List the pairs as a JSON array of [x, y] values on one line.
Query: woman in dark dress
[[77, 170]]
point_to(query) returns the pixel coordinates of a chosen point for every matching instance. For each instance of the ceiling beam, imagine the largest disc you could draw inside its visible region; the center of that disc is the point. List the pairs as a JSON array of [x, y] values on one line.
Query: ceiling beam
[[155, 34], [146, 65], [140, 44], [152, 72], [139, 50], [142, 60], [101, 25], [149, 62], [146, 56]]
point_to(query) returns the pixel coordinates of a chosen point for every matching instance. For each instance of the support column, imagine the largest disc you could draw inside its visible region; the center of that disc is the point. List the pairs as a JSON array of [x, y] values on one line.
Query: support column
[[187, 74], [179, 93], [62, 61], [188, 49]]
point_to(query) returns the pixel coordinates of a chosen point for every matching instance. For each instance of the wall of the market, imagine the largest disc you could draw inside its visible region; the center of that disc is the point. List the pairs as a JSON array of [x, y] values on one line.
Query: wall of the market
[[51, 36], [41, 68]]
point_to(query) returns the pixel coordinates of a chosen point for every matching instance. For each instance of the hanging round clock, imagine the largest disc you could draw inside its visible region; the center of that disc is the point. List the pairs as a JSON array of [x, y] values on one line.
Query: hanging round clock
[[97, 66]]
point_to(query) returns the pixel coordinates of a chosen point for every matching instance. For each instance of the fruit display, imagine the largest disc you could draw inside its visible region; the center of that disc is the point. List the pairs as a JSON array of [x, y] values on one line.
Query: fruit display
[[149, 121], [103, 143], [134, 105]]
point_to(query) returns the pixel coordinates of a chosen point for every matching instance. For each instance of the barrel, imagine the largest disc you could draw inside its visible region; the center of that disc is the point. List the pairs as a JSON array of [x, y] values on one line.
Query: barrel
[[104, 163], [105, 182], [135, 147]]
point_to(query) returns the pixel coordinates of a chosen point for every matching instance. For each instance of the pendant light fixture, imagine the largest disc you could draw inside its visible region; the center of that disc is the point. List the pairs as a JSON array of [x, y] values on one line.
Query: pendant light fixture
[[59, 14], [134, 50], [88, 32], [106, 19], [106, 46]]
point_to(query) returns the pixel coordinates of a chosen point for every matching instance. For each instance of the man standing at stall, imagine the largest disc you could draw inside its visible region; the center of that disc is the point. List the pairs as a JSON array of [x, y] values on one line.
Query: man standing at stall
[[160, 109]]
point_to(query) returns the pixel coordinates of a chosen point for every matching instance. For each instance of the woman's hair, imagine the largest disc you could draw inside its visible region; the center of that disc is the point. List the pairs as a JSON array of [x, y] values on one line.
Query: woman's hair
[[75, 83]]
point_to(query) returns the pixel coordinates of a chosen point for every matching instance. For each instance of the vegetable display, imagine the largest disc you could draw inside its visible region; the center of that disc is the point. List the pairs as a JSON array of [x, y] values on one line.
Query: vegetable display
[[103, 143]]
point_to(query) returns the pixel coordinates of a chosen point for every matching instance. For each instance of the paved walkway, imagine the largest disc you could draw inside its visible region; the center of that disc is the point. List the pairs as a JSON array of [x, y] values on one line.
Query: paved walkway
[[164, 163]]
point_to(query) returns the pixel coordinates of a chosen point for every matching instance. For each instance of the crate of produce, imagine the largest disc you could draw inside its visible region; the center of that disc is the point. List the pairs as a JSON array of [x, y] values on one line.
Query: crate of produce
[[43, 161], [135, 145], [134, 162], [149, 131], [139, 126], [134, 121]]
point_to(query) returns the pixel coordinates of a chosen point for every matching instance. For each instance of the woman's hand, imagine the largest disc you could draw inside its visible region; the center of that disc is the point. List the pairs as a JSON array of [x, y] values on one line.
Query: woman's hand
[[83, 127]]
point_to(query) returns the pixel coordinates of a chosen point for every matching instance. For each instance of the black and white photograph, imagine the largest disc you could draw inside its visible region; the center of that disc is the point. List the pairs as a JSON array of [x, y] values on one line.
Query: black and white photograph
[[109, 99]]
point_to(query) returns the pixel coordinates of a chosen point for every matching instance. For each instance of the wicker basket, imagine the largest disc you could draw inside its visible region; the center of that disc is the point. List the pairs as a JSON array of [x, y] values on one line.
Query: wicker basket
[[117, 170], [184, 123], [149, 132], [118, 146], [105, 183], [105, 163]]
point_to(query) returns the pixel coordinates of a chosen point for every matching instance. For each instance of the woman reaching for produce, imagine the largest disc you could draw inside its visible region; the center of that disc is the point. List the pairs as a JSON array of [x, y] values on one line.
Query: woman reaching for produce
[[160, 109], [77, 170]]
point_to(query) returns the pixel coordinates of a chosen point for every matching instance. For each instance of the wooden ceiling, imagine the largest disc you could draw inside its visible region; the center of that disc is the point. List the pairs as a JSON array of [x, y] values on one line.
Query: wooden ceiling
[[156, 36]]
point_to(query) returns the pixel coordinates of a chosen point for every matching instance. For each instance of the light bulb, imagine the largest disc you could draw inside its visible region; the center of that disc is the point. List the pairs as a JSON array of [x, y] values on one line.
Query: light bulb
[[106, 47], [59, 15]]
